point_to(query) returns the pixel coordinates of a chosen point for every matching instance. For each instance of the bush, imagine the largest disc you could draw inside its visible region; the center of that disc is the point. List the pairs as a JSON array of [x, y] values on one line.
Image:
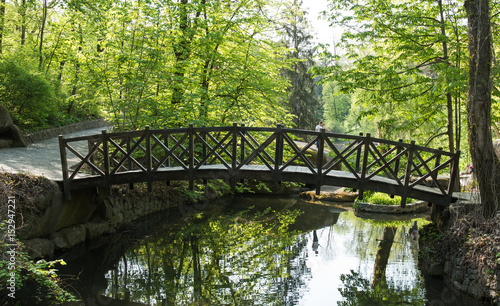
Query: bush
[[383, 199], [25, 282], [28, 96]]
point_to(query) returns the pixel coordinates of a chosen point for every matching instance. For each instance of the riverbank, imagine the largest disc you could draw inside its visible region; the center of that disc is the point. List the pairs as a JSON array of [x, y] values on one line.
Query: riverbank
[[466, 255], [39, 223]]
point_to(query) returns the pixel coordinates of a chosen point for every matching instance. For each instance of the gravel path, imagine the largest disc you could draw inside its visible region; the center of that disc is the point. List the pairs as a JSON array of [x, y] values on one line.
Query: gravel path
[[39, 158]]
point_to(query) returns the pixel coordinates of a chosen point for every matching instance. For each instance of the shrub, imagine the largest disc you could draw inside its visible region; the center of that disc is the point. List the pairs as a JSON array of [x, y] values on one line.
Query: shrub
[[28, 96], [383, 199]]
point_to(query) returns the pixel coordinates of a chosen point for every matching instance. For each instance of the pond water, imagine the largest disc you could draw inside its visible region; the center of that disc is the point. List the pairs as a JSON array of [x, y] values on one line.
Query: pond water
[[259, 251]]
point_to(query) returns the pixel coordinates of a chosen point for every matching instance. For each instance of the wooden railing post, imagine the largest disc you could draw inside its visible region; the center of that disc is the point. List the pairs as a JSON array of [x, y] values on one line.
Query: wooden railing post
[[242, 147], [411, 148], [64, 166], [364, 166], [358, 157], [319, 161], [204, 150], [105, 148], [454, 173], [91, 158], [167, 162], [234, 156], [149, 158], [278, 154], [191, 156]]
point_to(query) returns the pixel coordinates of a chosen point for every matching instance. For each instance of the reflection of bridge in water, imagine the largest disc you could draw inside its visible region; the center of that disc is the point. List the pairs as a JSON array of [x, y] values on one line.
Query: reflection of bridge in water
[[239, 153]]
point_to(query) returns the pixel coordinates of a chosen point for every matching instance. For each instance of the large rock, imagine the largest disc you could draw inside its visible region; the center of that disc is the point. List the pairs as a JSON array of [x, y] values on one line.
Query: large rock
[[10, 135], [416, 207], [39, 247], [333, 194], [69, 237]]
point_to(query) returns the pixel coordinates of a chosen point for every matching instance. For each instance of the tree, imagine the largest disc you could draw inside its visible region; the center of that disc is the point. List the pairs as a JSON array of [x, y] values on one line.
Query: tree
[[336, 108], [486, 163], [405, 58], [301, 92]]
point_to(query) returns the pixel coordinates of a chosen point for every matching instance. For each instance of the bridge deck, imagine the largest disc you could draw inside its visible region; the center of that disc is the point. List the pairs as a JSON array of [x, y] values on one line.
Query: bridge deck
[[261, 172]]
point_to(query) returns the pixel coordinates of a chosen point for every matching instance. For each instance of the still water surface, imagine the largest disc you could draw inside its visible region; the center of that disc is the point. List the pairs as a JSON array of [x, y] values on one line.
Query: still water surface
[[283, 251]]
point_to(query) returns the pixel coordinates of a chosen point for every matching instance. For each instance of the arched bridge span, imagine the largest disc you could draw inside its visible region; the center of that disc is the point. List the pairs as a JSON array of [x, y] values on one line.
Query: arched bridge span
[[239, 153]]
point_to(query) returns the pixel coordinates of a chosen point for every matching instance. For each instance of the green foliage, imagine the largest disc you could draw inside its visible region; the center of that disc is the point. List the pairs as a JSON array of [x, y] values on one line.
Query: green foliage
[[35, 282], [26, 94], [337, 108], [295, 35], [404, 61], [383, 198]]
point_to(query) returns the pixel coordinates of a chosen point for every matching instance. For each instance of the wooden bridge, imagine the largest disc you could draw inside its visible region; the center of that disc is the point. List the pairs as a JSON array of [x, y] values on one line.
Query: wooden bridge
[[238, 153]]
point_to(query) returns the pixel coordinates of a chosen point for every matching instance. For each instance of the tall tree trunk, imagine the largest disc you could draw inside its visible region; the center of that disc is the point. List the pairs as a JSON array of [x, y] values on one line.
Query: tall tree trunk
[[42, 30], [182, 52], [486, 163], [22, 13], [2, 24]]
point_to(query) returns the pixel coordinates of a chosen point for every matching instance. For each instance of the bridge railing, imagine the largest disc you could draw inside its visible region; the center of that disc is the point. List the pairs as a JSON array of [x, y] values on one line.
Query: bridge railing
[[139, 156]]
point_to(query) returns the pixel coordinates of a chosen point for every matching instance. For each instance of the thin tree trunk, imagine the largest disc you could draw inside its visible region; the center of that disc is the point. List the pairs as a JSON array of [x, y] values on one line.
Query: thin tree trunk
[[23, 22], [42, 30], [486, 163], [2, 24]]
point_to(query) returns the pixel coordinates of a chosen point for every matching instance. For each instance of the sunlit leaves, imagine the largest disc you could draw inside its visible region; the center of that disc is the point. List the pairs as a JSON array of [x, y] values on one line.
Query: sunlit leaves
[[396, 56]]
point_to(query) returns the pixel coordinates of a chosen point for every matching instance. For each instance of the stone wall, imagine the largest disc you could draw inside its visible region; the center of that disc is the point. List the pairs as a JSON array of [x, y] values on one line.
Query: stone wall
[[62, 224], [416, 207], [54, 132], [467, 280]]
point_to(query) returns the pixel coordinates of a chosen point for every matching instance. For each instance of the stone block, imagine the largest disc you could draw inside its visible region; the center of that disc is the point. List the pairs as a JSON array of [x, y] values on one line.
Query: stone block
[[38, 247], [476, 290], [458, 274], [96, 229], [69, 237], [436, 269]]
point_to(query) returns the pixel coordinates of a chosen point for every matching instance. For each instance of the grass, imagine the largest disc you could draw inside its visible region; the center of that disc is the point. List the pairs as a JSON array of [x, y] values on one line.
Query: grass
[[383, 199]]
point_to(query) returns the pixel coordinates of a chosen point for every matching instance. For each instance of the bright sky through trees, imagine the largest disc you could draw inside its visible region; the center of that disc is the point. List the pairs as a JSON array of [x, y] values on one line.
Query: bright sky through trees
[[320, 28]]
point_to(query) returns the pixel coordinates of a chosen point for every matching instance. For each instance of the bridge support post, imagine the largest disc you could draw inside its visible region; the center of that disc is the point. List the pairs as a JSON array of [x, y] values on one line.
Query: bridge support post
[[364, 166], [105, 149], [149, 179], [204, 149], [278, 154], [242, 147], [64, 164], [358, 160], [191, 156], [408, 171], [167, 162], [319, 162], [232, 177]]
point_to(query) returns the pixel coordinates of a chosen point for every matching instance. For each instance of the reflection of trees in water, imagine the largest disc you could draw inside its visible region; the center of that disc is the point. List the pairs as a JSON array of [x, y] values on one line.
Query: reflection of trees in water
[[382, 258], [357, 291], [224, 260], [387, 258]]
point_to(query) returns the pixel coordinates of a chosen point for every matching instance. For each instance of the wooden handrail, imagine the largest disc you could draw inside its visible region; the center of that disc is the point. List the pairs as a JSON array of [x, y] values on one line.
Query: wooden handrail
[[156, 154]]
